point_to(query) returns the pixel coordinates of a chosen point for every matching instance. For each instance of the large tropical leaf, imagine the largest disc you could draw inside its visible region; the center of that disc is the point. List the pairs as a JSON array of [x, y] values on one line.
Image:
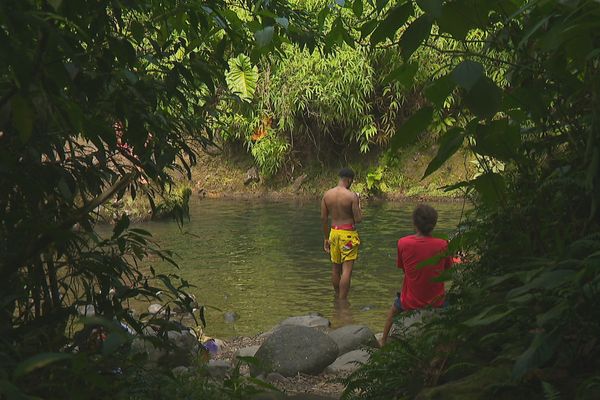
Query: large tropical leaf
[[242, 77]]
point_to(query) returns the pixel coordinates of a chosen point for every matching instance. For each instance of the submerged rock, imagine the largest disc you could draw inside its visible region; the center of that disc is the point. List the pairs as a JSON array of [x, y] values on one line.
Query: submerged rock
[[292, 349], [310, 321], [352, 337], [230, 317]]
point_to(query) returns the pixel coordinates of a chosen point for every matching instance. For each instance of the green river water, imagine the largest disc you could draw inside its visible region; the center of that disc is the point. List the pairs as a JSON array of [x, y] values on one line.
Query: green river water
[[265, 261]]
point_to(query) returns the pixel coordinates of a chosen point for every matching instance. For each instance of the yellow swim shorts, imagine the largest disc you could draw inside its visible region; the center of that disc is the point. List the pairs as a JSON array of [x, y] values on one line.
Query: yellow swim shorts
[[344, 245]]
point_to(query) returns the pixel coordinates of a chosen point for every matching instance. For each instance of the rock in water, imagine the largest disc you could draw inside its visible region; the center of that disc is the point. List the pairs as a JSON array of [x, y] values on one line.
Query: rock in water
[[310, 321], [351, 337], [348, 362], [292, 349], [230, 317]]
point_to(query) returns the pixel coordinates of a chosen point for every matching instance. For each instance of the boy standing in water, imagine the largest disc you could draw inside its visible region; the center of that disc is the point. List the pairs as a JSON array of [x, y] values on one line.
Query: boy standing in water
[[342, 241], [418, 289]]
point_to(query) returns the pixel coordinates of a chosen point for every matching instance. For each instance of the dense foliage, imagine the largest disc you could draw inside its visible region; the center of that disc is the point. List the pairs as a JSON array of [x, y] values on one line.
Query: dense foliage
[[527, 299], [100, 100]]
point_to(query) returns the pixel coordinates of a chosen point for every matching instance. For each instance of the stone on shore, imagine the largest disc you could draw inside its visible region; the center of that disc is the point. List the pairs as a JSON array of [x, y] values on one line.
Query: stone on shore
[[348, 362], [249, 351], [292, 349], [310, 321], [352, 337], [155, 308], [219, 369]]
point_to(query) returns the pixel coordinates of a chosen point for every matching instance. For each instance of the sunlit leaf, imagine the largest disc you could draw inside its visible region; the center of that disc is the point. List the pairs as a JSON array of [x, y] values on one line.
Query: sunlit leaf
[[242, 77]]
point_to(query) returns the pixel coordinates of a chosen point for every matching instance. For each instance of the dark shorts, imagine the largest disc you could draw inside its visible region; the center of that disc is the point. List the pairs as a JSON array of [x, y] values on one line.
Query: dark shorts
[[398, 303]]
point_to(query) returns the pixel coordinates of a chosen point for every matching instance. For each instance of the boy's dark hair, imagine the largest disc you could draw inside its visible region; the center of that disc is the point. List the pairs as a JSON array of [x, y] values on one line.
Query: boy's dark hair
[[425, 218], [346, 173]]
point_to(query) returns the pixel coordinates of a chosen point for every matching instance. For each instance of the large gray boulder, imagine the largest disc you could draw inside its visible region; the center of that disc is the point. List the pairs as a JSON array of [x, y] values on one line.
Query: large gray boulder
[[352, 337], [310, 321], [292, 349], [348, 362]]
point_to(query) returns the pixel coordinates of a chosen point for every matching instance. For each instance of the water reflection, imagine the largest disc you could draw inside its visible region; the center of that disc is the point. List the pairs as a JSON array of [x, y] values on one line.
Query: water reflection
[[265, 261]]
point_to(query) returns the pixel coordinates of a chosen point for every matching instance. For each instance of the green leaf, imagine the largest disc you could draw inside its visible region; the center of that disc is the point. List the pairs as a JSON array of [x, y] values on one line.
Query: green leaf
[[242, 77], [403, 75], [484, 98], [38, 361], [449, 144], [497, 139], [415, 34], [467, 73], [431, 7], [456, 19], [396, 17], [22, 117], [439, 90], [120, 226], [322, 16], [264, 37], [368, 27], [491, 188], [409, 131], [55, 4], [539, 352], [283, 22], [357, 8], [486, 317], [381, 4]]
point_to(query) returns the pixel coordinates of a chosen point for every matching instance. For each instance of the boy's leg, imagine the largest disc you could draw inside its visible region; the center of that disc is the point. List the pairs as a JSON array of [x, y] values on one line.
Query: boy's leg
[[336, 272], [393, 311], [345, 279]]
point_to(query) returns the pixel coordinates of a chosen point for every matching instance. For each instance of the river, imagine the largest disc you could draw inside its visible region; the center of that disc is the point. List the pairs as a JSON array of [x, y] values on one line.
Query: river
[[265, 261]]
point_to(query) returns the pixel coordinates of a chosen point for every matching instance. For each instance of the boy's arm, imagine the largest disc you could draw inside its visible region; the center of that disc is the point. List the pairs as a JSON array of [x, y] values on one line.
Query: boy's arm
[[325, 223], [356, 210], [399, 259]]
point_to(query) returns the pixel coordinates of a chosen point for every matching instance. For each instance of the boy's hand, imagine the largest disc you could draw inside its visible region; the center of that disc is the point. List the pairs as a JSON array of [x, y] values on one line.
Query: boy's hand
[[326, 246]]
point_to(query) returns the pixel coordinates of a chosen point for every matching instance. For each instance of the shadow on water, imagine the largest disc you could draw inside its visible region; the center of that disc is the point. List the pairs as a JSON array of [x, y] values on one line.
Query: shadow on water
[[265, 261]]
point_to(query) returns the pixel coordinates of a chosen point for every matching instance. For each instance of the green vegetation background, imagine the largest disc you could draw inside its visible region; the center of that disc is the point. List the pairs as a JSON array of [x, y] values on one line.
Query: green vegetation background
[[103, 100]]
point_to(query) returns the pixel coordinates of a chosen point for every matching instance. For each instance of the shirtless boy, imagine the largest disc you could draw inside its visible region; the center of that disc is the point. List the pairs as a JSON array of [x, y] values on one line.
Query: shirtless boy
[[342, 241]]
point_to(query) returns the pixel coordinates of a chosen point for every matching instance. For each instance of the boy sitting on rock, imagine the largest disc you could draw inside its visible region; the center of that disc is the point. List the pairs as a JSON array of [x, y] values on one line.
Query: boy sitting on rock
[[418, 289]]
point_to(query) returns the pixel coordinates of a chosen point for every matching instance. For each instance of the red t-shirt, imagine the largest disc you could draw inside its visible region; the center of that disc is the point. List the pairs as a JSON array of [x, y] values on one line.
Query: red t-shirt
[[418, 291]]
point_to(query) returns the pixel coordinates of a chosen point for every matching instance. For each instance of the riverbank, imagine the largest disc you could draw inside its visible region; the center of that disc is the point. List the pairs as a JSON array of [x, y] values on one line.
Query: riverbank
[[235, 176]]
